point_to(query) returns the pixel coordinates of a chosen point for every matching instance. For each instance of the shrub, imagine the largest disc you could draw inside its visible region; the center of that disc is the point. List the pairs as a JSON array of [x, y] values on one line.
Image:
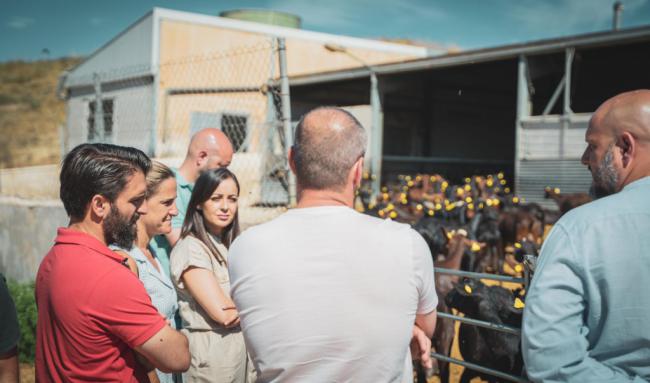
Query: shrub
[[23, 295]]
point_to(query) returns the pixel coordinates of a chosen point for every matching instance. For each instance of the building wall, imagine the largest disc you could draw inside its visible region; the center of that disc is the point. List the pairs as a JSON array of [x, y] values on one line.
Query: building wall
[[131, 49], [132, 114]]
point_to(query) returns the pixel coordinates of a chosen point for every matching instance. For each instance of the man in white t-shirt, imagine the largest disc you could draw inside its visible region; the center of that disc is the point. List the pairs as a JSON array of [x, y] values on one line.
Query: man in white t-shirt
[[327, 294]]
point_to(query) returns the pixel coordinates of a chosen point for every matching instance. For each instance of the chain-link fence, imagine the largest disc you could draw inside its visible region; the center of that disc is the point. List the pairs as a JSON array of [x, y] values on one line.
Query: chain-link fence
[[236, 89]]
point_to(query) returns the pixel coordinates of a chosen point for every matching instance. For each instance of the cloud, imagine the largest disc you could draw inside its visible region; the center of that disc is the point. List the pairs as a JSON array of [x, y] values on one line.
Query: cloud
[[17, 22], [567, 15]]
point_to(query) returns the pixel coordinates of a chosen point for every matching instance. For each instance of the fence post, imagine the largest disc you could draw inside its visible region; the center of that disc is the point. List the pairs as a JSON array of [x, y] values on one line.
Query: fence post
[[286, 116], [99, 110]]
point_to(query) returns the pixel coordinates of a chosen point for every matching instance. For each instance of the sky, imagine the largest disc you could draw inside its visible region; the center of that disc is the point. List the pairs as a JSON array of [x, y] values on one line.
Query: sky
[[41, 29]]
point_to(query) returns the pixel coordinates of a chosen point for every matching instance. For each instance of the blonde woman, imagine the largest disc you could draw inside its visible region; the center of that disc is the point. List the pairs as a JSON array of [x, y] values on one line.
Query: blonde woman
[[142, 260], [199, 268]]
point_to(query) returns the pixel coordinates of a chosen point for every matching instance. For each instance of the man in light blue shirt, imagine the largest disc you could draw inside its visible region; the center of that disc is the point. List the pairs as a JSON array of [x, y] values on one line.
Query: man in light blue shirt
[[209, 149], [587, 315]]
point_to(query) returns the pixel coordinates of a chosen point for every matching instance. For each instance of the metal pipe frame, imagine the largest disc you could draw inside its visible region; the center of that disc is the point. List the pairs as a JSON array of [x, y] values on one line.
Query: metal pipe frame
[[566, 110], [473, 275], [480, 323], [555, 96], [479, 368], [286, 115]]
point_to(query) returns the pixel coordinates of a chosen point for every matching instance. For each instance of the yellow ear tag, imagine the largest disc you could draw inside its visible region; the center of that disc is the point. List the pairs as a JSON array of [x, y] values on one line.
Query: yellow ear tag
[[518, 245], [410, 184], [519, 304], [556, 190], [515, 199], [519, 268], [419, 207], [489, 183], [468, 199], [438, 206], [506, 190], [468, 289], [431, 213], [381, 213], [475, 247], [390, 206], [502, 182], [393, 214], [500, 175], [468, 187]]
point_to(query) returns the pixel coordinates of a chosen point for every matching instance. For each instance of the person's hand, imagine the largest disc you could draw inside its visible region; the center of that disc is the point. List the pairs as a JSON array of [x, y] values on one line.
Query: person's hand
[[421, 347], [233, 322]]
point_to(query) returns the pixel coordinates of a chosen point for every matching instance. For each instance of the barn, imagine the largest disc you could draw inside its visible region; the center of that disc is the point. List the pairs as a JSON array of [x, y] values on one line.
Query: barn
[[522, 109]]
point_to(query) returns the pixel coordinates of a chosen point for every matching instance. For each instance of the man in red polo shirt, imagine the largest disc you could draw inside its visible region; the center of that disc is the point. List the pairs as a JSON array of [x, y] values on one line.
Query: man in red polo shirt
[[94, 315]]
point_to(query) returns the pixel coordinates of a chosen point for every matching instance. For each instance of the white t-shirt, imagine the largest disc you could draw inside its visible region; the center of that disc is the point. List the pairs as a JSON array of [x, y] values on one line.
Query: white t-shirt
[[326, 294]]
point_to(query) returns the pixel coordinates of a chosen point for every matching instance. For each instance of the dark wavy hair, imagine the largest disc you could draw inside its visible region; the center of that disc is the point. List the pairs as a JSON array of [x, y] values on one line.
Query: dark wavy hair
[[194, 223], [91, 169]]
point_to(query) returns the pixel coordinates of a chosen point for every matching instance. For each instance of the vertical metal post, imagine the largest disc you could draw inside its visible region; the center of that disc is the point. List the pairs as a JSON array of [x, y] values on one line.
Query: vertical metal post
[[286, 116], [99, 111], [377, 136], [566, 111], [523, 110]]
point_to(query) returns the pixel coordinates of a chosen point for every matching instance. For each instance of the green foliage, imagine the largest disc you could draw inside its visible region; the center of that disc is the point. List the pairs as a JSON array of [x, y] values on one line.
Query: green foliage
[[23, 296]]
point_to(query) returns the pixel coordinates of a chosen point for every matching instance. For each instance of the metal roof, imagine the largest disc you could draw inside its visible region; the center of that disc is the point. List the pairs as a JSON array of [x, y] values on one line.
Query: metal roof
[[505, 52]]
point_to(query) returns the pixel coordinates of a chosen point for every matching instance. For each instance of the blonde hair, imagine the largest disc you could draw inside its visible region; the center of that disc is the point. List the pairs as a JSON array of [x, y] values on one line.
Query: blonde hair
[[158, 173]]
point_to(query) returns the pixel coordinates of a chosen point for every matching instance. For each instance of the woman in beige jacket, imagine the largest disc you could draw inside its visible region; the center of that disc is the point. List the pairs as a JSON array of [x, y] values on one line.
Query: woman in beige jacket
[[199, 268]]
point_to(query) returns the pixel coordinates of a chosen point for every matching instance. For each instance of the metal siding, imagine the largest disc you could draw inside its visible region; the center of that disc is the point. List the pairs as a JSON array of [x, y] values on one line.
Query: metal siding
[[540, 139], [568, 175]]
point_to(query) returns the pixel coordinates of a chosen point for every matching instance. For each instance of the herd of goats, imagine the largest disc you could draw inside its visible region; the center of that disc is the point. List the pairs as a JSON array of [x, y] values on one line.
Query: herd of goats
[[479, 226]]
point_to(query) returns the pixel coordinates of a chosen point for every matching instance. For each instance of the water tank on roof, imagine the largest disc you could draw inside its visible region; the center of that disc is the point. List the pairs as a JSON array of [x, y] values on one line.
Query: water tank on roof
[[282, 19]]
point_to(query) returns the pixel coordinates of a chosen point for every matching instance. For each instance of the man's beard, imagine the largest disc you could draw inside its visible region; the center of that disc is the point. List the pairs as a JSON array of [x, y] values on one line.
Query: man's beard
[[120, 230], [605, 177]]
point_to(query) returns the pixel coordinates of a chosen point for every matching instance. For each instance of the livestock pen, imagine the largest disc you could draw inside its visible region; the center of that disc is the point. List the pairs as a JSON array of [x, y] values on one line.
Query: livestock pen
[[488, 325]]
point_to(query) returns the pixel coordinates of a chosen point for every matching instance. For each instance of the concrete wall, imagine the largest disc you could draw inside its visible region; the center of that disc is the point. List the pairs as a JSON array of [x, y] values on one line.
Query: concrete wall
[[27, 231]]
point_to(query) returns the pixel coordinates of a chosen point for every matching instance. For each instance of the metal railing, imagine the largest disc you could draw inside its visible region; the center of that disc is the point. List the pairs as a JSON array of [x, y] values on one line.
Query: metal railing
[[489, 325]]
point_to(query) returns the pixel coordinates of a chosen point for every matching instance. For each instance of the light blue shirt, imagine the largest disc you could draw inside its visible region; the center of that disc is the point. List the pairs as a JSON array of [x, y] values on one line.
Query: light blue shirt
[[161, 290], [587, 314]]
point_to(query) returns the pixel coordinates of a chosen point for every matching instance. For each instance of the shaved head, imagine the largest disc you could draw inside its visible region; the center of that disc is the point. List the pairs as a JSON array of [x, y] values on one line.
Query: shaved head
[[618, 142], [329, 141], [626, 112], [210, 148]]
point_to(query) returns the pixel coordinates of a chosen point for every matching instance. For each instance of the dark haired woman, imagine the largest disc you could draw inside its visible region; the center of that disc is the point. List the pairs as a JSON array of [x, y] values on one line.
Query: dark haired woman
[[199, 268]]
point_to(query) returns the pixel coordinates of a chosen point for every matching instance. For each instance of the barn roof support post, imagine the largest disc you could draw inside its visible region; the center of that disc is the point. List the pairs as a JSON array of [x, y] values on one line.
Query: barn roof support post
[[523, 110], [569, 53], [376, 149]]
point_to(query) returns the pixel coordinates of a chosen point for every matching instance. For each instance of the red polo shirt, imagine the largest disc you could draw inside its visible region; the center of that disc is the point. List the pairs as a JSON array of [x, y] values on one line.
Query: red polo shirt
[[92, 310]]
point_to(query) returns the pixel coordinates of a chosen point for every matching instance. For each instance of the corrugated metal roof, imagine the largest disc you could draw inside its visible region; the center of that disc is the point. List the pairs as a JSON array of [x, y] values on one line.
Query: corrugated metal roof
[[505, 52]]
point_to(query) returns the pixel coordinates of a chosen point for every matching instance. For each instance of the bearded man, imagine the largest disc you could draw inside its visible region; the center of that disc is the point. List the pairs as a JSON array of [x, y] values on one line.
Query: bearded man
[[94, 315], [587, 309]]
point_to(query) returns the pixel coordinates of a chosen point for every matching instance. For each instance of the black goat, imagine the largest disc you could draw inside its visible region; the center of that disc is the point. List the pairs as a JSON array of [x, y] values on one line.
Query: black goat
[[489, 348]]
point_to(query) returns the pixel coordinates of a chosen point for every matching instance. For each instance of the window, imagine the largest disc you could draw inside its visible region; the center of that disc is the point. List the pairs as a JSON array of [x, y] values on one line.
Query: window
[[235, 127], [107, 109]]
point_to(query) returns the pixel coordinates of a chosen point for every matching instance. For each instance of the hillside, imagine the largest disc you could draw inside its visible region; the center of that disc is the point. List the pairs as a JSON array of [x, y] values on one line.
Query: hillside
[[30, 112]]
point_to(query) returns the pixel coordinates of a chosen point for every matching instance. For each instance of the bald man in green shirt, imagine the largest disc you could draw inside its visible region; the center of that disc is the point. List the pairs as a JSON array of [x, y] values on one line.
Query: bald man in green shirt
[[209, 148]]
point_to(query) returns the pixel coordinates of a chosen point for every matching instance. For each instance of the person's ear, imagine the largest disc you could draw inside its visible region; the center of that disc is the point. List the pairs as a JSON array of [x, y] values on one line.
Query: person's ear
[[201, 158], [292, 164], [100, 206], [358, 172], [628, 148]]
